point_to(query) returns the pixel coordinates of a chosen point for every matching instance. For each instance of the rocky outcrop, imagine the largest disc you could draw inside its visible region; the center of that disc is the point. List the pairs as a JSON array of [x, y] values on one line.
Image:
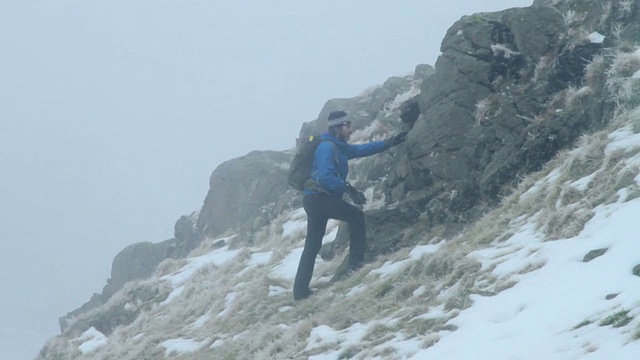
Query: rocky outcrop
[[242, 189], [139, 261], [121, 310], [497, 106], [187, 236], [370, 105], [136, 261], [511, 89]]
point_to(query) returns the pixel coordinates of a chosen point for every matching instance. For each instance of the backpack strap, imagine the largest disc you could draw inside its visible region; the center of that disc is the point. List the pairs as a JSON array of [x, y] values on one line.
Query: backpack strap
[[335, 152]]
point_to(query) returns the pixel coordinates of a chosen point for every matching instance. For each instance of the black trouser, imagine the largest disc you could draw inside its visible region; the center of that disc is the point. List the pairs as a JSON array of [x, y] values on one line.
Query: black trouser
[[320, 208]]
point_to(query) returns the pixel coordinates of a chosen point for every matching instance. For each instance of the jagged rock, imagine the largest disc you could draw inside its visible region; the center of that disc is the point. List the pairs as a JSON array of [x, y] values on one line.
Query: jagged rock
[[185, 228], [570, 65], [410, 111], [95, 301], [636, 270], [482, 113], [240, 188], [136, 261], [139, 261], [122, 312], [187, 236], [423, 71]]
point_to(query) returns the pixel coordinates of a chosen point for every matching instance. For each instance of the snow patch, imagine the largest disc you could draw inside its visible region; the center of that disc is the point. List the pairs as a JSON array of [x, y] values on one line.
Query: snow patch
[[293, 227], [216, 257], [390, 268], [503, 49], [228, 301], [324, 336], [622, 139], [595, 37], [287, 267], [174, 294], [261, 258], [92, 340], [540, 314], [182, 346]]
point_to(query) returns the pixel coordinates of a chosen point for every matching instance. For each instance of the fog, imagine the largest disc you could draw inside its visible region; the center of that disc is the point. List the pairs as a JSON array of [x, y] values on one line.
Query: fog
[[113, 114]]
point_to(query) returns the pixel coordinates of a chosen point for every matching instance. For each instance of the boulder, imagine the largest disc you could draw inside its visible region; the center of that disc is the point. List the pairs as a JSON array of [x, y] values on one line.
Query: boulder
[[241, 188], [136, 261]]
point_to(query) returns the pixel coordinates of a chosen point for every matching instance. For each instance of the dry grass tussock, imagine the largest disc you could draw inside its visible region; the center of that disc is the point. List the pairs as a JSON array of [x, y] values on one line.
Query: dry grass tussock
[[623, 86]]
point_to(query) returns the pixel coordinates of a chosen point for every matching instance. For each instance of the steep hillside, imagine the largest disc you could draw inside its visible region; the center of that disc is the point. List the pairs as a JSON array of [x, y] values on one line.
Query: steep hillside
[[551, 273], [503, 228]]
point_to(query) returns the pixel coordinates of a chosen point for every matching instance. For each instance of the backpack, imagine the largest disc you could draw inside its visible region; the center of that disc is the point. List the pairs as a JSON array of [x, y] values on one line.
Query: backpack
[[300, 168]]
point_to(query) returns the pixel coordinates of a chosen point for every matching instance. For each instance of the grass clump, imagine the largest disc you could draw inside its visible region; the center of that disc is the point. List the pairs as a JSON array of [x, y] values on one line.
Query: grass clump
[[582, 324], [618, 319]]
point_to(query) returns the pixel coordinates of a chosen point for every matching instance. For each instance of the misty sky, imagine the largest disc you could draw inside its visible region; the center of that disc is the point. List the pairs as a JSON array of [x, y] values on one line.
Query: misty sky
[[113, 114]]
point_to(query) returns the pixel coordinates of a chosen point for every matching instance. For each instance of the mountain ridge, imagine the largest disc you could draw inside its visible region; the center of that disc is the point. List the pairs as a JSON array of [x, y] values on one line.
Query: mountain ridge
[[427, 210]]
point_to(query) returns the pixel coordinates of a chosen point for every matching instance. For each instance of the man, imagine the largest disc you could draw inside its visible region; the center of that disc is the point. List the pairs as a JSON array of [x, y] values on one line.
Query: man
[[323, 196]]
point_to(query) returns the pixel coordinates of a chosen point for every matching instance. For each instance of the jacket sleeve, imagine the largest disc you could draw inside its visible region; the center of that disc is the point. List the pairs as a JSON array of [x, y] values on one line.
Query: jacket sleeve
[[368, 149], [327, 173]]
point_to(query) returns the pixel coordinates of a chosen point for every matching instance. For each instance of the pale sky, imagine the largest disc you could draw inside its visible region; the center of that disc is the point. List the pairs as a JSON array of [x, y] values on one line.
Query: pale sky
[[113, 114]]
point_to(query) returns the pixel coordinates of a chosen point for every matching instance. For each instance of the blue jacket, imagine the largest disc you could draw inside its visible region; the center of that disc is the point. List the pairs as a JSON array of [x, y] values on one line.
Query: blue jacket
[[330, 167]]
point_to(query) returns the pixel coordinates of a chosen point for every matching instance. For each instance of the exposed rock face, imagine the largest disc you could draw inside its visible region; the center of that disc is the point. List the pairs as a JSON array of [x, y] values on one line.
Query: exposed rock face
[[508, 93], [241, 188], [484, 113]]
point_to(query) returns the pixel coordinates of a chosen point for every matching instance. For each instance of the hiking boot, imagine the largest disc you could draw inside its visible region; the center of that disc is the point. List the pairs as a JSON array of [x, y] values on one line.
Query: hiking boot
[[302, 295], [344, 271]]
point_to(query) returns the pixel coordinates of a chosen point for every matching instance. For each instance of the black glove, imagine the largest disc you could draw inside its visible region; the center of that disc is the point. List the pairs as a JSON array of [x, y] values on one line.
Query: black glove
[[397, 139], [356, 196]]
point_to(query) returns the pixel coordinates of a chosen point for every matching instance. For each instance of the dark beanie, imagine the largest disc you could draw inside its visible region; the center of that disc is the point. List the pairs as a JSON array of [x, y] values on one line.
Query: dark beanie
[[337, 117]]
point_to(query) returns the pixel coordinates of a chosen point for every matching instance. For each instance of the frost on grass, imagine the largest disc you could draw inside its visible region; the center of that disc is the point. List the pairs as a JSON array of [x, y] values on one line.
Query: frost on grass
[[622, 83]]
